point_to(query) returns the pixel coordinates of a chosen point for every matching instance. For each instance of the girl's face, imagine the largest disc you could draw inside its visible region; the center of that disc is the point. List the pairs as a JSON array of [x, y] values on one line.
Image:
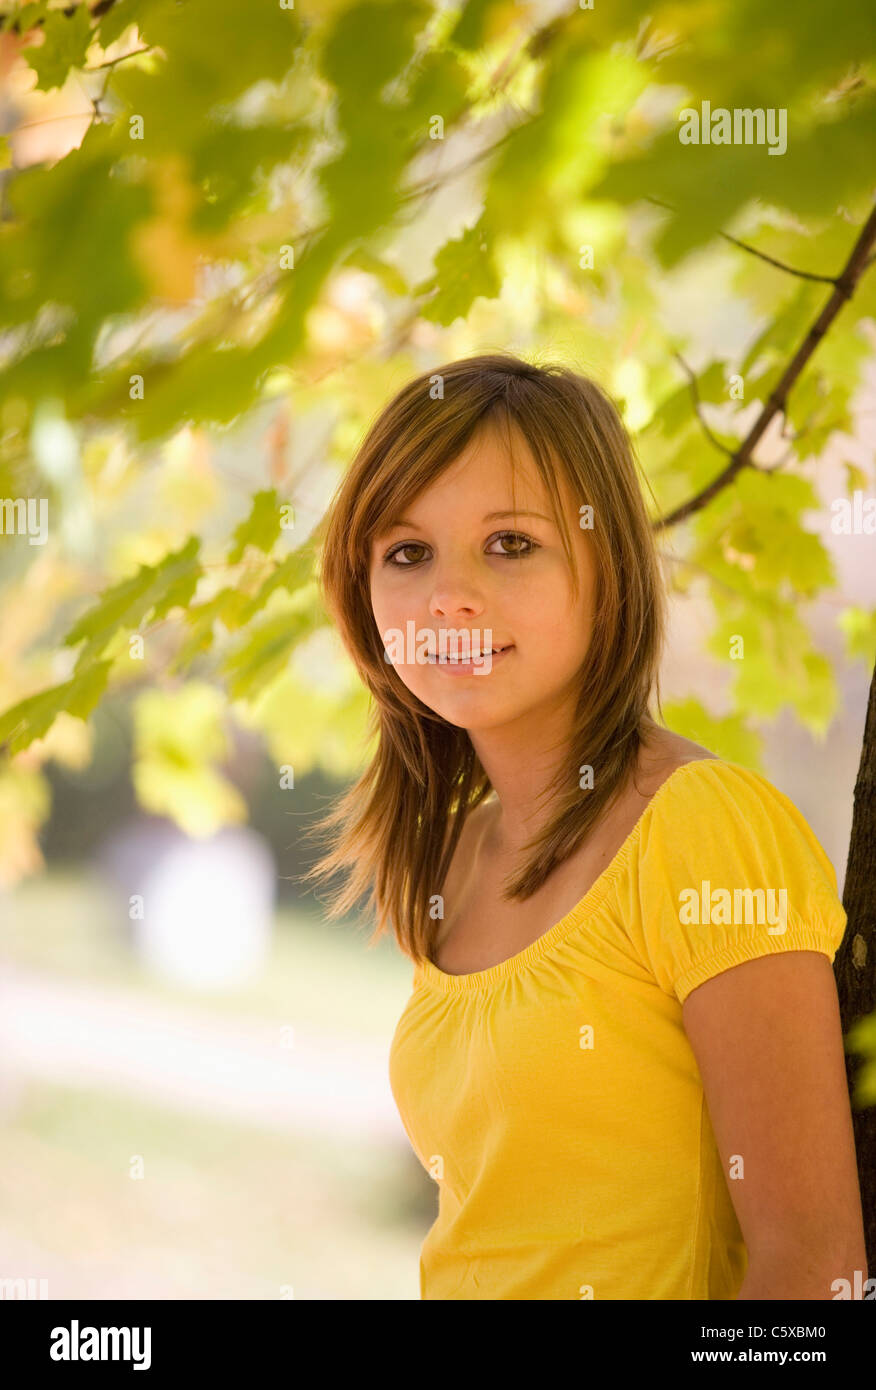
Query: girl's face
[[463, 561]]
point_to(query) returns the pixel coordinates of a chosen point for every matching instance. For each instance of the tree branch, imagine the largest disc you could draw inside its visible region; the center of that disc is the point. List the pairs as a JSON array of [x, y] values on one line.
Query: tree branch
[[692, 378], [853, 964], [123, 58], [771, 260], [761, 255], [844, 288]]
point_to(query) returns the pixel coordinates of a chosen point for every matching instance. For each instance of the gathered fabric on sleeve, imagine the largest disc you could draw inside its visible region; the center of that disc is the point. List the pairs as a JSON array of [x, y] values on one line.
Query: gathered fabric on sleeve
[[728, 871]]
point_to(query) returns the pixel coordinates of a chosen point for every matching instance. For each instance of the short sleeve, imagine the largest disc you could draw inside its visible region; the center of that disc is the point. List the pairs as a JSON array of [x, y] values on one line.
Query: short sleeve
[[726, 869]]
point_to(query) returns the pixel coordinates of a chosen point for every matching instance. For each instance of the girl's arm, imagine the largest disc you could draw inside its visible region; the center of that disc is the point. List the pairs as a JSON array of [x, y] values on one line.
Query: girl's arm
[[768, 1041]]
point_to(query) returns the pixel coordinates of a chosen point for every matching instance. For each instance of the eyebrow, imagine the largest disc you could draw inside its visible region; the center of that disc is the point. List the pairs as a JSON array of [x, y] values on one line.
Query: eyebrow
[[490, 516]]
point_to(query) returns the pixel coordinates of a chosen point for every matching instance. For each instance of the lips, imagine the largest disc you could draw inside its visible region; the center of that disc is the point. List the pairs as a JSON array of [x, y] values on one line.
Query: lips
[[472, 656]]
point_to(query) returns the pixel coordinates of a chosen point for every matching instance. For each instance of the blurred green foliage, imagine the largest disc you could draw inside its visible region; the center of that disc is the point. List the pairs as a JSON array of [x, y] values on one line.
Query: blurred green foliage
[[269, 217]]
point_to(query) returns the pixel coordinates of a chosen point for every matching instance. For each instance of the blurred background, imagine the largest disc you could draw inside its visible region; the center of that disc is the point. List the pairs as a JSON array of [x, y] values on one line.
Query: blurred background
[[196, 331]]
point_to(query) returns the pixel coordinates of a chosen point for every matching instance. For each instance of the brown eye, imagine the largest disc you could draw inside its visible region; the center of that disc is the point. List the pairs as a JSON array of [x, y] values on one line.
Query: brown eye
[[407, 545], [515, 538]]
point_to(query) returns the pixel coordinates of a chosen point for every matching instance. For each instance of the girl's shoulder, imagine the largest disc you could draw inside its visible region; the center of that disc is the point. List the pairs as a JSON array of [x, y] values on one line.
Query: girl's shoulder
[[718, 822], [715, 803], [725, 868], [665, 753]]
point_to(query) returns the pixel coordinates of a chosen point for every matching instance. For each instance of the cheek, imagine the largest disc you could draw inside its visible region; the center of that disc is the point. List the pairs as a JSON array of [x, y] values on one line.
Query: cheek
[[378, 608], [548, 603], [384, 604], [561, 625], [392, 611]]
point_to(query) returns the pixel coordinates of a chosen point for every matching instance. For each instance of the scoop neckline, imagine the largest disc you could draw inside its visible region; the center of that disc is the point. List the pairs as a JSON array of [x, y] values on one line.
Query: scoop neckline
[[427, 972]]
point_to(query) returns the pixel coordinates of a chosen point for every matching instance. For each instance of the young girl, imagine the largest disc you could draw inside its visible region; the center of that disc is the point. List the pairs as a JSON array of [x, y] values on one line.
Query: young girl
[[621, 1060]]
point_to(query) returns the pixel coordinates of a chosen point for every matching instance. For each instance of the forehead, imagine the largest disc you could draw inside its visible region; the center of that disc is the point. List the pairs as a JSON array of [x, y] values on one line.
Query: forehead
[[492, 471]]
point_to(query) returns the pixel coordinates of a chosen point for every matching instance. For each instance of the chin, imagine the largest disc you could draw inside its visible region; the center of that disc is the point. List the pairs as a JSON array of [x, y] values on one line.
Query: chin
[[476, 721]]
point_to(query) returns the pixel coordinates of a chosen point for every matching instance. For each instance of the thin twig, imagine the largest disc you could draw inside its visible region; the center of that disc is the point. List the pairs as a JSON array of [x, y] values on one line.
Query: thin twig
[[692, 378], [844, 288], [122, 58], [780, 265], [762, 255]]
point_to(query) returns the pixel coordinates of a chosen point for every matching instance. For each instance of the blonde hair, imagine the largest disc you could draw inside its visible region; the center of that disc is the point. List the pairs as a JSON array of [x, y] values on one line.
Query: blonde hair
[[397, 827]]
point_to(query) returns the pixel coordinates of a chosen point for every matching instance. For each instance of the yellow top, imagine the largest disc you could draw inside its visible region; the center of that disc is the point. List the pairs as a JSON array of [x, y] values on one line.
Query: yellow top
[[555, 1098]]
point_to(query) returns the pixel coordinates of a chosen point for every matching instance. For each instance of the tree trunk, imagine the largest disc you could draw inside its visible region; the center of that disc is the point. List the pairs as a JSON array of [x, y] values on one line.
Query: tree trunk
[[855, 962]]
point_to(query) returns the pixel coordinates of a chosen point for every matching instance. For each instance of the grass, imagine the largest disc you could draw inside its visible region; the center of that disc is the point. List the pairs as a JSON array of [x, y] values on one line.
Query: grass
[[222, 1210], [114, 1198]]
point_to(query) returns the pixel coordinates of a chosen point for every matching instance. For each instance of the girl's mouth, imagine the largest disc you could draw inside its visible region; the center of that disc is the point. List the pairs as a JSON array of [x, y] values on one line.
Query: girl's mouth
[[473, 663]]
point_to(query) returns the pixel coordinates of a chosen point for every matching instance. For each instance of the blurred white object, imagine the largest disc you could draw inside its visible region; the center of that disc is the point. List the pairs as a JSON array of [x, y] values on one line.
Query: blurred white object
[[207, 905]]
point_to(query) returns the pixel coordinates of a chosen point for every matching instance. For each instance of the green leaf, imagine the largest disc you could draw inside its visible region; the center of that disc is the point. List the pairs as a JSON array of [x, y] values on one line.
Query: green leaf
[[478, 19], [65, 43], [727, 735], [784, 329], [680, 465], [816, 700], [778, 665], [751, 536], [119, 17], [219, 52], [233, 608], [859, 627], [32, 718], [677, 407], [556, 158], [369, 44], [742, 53], [261, 528], [439, 88], [29, 15], [70, 240], [328, 731], [154, 589], [227, 607], [818, 171], [265, 652], [464, 271], [292, 574], [177, 734]]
